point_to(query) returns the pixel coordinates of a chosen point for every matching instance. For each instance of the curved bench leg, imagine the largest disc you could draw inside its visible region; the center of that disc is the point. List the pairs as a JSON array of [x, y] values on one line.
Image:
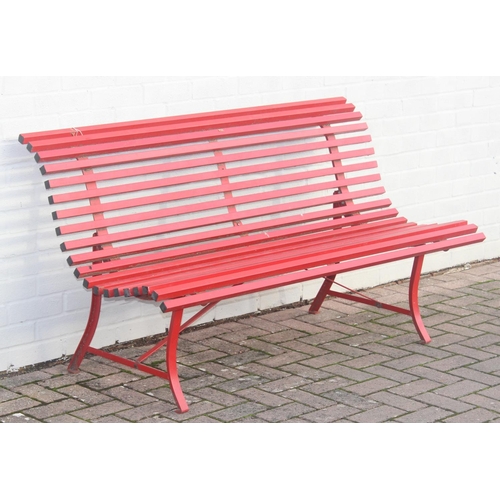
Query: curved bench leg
[[88, 334], [413, 297], [173, 376], [321, 295]]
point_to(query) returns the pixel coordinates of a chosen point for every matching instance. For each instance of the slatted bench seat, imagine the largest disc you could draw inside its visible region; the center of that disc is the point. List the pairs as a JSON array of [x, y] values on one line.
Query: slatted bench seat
[[191, 210]]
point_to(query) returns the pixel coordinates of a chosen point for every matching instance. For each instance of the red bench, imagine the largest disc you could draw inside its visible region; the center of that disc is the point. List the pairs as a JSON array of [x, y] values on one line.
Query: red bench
[[191, 210]]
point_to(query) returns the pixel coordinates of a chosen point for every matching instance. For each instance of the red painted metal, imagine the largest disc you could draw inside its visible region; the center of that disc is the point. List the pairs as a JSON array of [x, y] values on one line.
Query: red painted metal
[[195, 209]]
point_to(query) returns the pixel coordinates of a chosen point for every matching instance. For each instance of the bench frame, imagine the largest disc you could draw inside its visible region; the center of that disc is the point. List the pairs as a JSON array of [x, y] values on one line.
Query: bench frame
[[112, 144]]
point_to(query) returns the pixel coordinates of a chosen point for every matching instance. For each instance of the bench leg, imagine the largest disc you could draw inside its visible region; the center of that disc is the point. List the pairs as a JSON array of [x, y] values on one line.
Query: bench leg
[[413, 299], [173, 375], [88, 334], [321, 295]]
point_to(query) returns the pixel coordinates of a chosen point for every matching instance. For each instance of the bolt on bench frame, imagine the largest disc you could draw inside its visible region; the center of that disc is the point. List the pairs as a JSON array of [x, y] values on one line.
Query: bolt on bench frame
[[191, 210]]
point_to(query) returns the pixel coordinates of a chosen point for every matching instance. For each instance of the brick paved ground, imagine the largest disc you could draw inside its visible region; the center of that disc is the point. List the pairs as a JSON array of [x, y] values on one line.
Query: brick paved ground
[[350, 363]]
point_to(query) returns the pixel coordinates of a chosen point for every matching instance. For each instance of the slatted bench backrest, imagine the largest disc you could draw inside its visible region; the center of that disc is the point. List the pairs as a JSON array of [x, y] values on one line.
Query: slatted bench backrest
[[135, 192]]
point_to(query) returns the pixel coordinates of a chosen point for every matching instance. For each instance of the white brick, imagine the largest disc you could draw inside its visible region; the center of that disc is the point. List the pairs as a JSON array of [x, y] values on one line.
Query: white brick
[[438, 121], [32, 309], [16, 105], [215, 87], [18, 334], [117, 97], [22, 85], [86, 82], [256, 84], [486, 97], [167, 92]]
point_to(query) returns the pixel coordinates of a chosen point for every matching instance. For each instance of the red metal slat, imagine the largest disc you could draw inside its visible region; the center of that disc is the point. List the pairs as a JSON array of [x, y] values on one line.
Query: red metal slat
[[257, 255], [292, 260], [197, 147], [280, 281], [230, 278], [137, 124], [201, 222], [221, 203], [151, 246], [386, 216], [179, 180], [81, 139], [134, 144], [207, 160], [178, 195]]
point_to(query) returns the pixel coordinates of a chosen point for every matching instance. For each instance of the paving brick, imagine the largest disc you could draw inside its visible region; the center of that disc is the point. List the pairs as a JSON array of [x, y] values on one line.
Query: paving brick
[[65, 419], [365, 361], [413, 388], [450, 363], [390, 399], [6, 395], [93, 413], [18, 418], [380, 414], [428, 350], [52, 409], [325, 360], [459, 389], [219, 397], [241, 383], [17, 405], [469, 352], [263, 371], [223, 346], [97, 368], [263, 397], [11, 381], [283, 384], [302, 347], [39, 393], [306, 398], [143, 411], [385, 350], [283, 336], [437, 376], [322, 386], [408, 361], [306, 372], [83, 394], [477, 415], [322, 338], [111, 419], [349, 373], [433, 399], [482, 401], [483, 378], [284, 359], [200, 357], [266, 324], [426, 415], [488, 366], [349, 399], [492, 392], [285, 412], [331, 414], [303, 326], [389, 373], [266, 347], [370, 386], [237, 412], [129, 396], [110, 381]]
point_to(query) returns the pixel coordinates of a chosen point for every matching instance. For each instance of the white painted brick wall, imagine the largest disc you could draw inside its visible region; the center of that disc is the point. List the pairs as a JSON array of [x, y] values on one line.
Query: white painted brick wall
[[437, 142]]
